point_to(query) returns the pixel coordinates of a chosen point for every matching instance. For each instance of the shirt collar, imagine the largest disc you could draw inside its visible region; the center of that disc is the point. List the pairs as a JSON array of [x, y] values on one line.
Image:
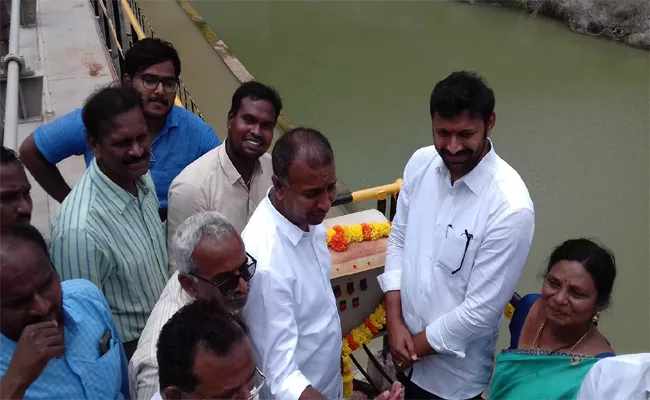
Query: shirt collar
[[479, 176], [116, 194], [171, 121], [229, 169], [286, 227], [476, 178]]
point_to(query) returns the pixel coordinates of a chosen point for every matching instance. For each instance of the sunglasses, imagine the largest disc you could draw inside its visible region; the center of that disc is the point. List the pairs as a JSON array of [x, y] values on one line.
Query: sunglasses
[[246, 272]]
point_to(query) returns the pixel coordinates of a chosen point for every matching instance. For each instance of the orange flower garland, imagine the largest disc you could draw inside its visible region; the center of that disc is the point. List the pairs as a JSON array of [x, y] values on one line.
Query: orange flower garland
[[340, 237], [356, 338]]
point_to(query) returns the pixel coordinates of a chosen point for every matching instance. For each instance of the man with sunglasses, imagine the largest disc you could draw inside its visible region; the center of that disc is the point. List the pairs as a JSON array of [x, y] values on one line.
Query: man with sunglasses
[[459, 240], [212, 265], [204, 353], [152, 68]]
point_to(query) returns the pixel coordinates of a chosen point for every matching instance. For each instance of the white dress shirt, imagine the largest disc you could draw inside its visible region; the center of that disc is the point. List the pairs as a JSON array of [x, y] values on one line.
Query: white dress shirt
[[618, 378], [143, 367], [291, 311], [460, 309]]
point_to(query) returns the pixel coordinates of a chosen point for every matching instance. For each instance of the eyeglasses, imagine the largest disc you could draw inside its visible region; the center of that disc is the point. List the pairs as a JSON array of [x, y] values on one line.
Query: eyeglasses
[[260, 380], [151, 82], [246, 272]]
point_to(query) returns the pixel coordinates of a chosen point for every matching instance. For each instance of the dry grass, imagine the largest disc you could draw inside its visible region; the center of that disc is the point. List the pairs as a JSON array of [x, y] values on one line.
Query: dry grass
[[625, 20]]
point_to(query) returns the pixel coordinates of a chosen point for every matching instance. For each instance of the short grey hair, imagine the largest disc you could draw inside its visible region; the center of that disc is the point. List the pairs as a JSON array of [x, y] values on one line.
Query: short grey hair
[[204, 224]]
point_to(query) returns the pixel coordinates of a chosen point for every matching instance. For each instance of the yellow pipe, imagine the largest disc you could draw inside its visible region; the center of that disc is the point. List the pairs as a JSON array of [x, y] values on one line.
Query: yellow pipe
[[140, 32], [379, 192]]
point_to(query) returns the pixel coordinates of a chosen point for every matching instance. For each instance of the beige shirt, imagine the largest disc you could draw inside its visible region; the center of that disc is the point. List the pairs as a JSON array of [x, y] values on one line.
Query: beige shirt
[[211, 183]]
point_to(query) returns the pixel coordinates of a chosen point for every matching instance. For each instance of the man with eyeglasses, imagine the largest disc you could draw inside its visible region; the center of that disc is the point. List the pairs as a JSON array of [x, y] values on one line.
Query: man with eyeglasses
[[152, 68], [212, 265], [204, 353], [461, 235]]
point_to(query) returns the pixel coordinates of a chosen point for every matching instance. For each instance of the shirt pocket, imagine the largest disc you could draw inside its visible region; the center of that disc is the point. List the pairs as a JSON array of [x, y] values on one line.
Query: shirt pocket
[[456, 253], [103, 377]]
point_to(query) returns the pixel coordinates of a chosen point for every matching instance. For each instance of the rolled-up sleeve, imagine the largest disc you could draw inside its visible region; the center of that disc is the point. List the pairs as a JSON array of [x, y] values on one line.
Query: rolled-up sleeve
[[391, 279], [492, 281], [273, 330]]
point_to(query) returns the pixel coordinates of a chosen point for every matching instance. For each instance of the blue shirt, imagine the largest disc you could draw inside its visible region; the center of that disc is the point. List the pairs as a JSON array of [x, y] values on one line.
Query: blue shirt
[[184, 138], [81, 373]]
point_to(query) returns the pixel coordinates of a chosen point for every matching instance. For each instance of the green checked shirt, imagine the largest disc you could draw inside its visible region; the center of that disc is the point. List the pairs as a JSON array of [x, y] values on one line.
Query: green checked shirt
[[106, 235]]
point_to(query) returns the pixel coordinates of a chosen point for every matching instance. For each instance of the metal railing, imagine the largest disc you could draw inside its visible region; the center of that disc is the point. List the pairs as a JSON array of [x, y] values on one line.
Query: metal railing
[[380, 193], [12, 62], [119, 35]]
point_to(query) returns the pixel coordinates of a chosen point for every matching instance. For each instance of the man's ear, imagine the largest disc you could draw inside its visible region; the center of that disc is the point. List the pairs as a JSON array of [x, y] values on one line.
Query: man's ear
[[490, 123], [94, 146], [172, 393], [229, 121], [127, 81], [189, 285], [278, 187]]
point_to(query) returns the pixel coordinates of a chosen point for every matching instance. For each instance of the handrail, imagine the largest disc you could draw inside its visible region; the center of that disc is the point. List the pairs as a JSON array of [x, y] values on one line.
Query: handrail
[[378, 192], [13, 71]]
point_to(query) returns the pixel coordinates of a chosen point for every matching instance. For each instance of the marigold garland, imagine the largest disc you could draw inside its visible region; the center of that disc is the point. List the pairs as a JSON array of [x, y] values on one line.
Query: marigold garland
[[356, 338], [340, 237]]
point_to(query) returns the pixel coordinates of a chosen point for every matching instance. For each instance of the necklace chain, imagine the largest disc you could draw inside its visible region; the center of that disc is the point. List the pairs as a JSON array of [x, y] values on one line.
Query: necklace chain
[[539, 333]]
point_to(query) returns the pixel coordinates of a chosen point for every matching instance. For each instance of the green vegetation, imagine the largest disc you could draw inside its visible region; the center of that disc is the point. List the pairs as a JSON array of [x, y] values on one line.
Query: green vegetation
[[624, 20]]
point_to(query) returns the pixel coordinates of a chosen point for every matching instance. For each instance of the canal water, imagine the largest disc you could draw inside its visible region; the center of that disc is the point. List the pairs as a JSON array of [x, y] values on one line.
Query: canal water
[[572, 111]]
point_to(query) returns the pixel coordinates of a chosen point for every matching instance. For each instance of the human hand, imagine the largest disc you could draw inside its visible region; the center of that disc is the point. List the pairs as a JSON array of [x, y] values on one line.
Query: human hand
[[37, 345], [401, 345], [396, 393]]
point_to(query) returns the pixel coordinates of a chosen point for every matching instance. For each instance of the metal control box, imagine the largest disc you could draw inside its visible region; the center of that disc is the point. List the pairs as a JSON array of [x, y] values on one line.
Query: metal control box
[[355, 272]]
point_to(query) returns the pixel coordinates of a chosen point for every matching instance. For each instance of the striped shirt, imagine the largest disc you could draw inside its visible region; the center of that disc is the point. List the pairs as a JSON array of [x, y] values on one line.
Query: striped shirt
[[106, 235]]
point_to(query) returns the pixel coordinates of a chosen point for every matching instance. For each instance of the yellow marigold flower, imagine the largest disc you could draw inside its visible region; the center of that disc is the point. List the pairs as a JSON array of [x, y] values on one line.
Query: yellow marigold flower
[[330, 235], [345, 348], [353, 233]]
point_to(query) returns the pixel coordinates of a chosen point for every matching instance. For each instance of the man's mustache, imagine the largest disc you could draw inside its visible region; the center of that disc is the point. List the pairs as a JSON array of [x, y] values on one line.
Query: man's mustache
[[144, 157], [159, 100]]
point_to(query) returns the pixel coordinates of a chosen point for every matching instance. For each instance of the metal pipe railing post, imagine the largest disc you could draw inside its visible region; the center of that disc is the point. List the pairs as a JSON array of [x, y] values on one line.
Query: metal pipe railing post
[[10, 138]]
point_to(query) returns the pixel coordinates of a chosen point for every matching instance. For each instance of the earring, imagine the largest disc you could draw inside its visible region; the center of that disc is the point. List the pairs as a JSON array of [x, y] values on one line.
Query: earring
[[595, 318]]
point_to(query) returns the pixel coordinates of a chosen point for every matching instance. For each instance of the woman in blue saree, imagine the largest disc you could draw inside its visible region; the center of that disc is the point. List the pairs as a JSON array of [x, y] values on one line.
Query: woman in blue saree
[[554, 338]]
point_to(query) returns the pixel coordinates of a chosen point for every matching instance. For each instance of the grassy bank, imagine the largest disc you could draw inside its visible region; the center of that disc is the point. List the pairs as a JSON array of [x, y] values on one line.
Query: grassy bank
[[623, 20]]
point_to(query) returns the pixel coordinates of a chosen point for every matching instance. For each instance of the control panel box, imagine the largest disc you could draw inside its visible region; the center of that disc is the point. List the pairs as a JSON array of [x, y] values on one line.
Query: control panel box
[[355, 272]]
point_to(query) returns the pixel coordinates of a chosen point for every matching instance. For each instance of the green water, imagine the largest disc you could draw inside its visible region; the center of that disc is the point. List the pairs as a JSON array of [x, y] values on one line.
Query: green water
[[572, 111]]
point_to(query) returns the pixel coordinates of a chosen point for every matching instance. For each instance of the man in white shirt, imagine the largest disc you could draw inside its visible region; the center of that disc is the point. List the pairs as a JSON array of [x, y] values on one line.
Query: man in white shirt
[[212, 264], [624, 377], [291, 311], [233, 178], [460, 237]]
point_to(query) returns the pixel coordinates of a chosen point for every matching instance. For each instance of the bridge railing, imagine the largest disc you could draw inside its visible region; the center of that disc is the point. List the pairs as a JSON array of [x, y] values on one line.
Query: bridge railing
[[121, 23], [12, 62]]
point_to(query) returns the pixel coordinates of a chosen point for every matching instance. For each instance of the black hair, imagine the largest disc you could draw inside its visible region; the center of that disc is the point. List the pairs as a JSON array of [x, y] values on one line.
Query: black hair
[[103, 106], [598, 261], [150, 51], [459, 92], [255, 91], [8, 156], [25, 233], [309, 145], [201, 323]]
